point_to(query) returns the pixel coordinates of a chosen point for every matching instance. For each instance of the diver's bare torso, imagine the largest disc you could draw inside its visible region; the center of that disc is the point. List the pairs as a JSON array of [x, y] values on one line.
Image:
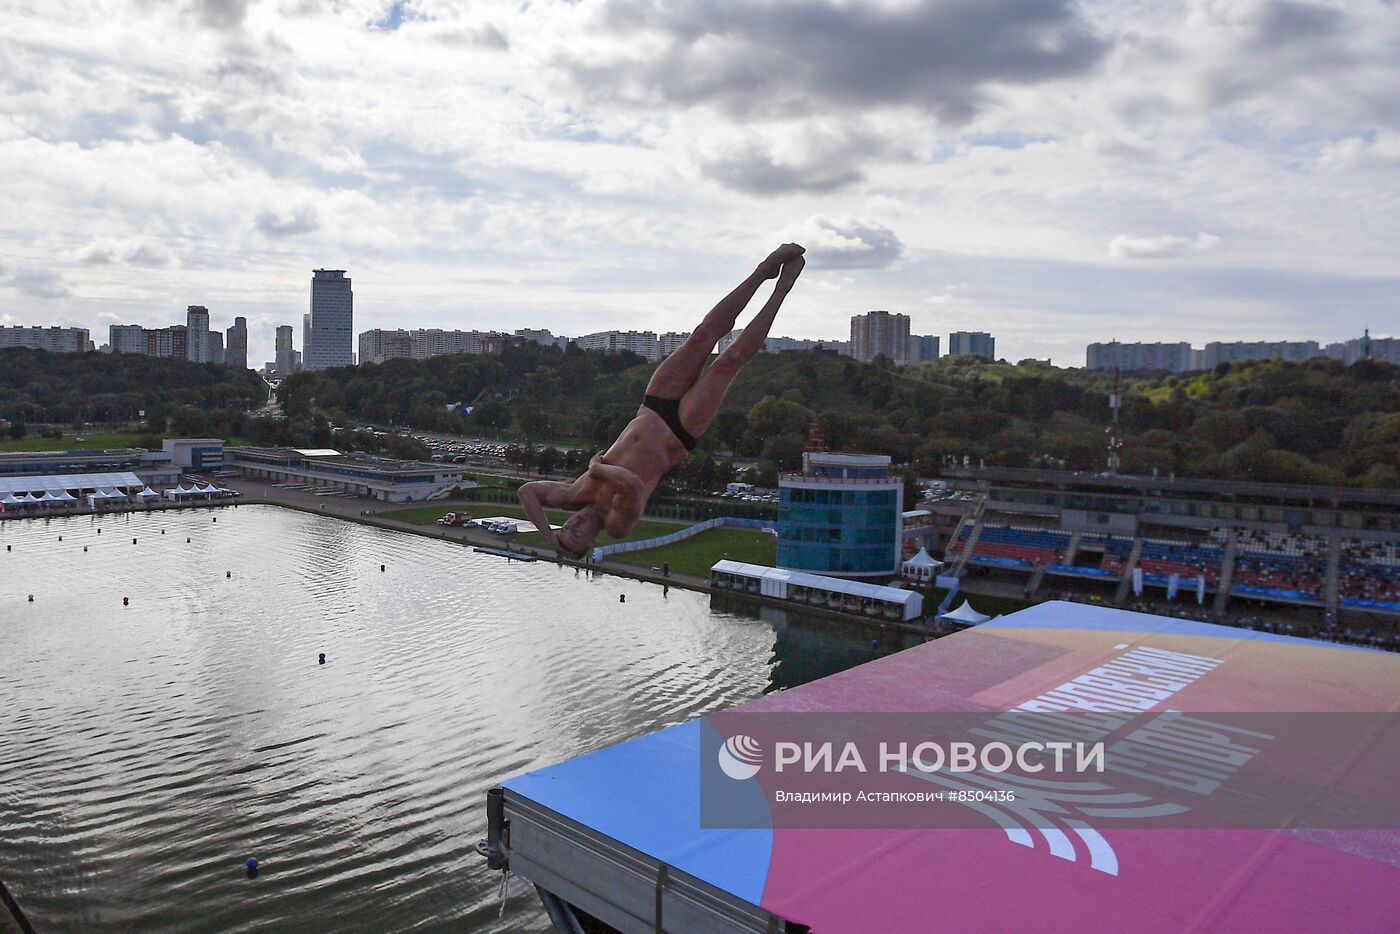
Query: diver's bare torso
[[646, 447]]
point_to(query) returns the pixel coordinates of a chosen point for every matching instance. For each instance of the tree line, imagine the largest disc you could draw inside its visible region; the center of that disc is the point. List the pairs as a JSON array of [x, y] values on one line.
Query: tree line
[[1317, 421]]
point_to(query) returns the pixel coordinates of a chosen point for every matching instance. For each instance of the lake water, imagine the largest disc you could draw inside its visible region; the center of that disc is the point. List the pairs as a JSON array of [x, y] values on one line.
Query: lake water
[[147, 751]]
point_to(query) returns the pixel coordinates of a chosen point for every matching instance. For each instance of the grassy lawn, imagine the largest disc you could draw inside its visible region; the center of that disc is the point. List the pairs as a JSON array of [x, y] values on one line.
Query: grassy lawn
[[490, 479], [68, 442], [698, 554]]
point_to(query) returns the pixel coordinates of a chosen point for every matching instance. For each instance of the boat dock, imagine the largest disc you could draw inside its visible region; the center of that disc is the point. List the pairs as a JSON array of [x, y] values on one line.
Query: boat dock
[[502, 553]]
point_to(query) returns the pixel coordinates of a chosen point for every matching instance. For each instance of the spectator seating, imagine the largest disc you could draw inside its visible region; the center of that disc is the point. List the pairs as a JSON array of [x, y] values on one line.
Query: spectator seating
[[1280, 565], [1370, 575], [1018, 546], [1161, 558], [1115, 551]]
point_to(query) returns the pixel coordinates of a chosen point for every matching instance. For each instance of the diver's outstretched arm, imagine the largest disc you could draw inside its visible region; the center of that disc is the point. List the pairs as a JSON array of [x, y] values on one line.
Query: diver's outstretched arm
[[538, 494]]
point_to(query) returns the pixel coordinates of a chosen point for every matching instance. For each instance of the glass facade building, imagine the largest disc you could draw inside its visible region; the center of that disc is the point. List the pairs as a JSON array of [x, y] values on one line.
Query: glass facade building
[[326, 329], [841, 516]]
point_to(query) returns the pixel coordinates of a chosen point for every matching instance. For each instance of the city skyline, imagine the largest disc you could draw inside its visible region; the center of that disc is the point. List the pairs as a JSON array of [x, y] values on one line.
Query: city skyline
[[375, 345], [1060, 171]]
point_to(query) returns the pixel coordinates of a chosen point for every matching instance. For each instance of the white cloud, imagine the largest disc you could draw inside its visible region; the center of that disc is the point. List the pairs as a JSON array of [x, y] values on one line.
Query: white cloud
[[301, 219], [1381, 151], [846, 243], [105, 251], [1127, 247], [617, 163], [39, 283]]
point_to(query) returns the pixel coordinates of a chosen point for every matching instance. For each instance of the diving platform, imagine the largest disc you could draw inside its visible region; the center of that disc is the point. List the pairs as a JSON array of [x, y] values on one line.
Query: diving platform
[[614, 839]]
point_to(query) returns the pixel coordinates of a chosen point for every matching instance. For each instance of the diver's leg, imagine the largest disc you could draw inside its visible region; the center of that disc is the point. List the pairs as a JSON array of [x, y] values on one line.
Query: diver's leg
[[679, 371], [701, 402]]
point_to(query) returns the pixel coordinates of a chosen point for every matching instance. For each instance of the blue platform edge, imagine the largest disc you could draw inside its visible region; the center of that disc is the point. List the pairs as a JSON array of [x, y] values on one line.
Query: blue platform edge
[[645, 793]]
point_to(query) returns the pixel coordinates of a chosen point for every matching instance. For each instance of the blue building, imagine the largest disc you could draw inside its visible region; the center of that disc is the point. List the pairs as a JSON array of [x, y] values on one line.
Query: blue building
[[841, 515]]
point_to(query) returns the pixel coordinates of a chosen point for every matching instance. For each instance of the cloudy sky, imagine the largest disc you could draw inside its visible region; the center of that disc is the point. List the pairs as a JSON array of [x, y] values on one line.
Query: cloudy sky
[[1053, 172]]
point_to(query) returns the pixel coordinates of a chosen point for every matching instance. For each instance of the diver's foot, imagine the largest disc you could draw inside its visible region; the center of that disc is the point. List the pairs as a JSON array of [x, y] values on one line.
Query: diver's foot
[[791, 270], [771, 266]]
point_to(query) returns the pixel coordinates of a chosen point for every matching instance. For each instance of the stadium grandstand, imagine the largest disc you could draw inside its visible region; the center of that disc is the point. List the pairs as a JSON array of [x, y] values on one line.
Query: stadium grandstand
[[1223, 546]]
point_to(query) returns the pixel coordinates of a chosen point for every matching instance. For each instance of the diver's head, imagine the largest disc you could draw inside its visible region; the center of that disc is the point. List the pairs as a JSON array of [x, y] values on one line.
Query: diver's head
[[580, 533]]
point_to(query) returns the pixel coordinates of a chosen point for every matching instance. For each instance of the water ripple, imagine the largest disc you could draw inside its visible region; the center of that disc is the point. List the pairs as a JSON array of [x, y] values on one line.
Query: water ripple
[[147, 750]]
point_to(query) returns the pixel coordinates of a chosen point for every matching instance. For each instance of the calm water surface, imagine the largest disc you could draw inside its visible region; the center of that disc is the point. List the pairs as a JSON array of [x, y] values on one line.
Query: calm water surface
[[147, 751]]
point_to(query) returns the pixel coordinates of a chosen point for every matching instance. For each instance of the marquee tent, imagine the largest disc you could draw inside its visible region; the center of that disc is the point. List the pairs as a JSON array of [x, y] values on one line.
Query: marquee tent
[[966, 615], [921, 568]]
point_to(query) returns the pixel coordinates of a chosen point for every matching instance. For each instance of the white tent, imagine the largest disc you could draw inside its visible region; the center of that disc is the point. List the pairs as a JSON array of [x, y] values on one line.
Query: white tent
[[177, 493], [921, 568], [64, 496], [148, 493], [48, 497], [11, 500], [965, 614]]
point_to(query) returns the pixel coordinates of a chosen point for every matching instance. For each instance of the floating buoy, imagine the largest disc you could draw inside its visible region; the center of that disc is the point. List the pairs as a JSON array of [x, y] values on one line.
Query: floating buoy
[[31, 598], [381, 569], [252, 864], [187, 541], [60, 538], [133, 541], [216, 518], [162, 531], [321, 659], [126, 601], [228, 574], [84, 548], [99, 531], [7, 547], [622, 598]]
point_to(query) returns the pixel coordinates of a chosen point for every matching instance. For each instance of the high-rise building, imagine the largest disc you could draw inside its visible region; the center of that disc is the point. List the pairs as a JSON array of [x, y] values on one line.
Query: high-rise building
[[378, 345], [639, 342], [540, 336], [1175, 357], [127, 338], [288, 360], [670, 342], [327, 329], [216, 347], [236, 344], [786, 344], [878, 333], [972, 342], [168, 342], [842, 515], [58, 340], [923, 347], [197, 333], [803, 344], [1366, 347], [1218, 352]]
